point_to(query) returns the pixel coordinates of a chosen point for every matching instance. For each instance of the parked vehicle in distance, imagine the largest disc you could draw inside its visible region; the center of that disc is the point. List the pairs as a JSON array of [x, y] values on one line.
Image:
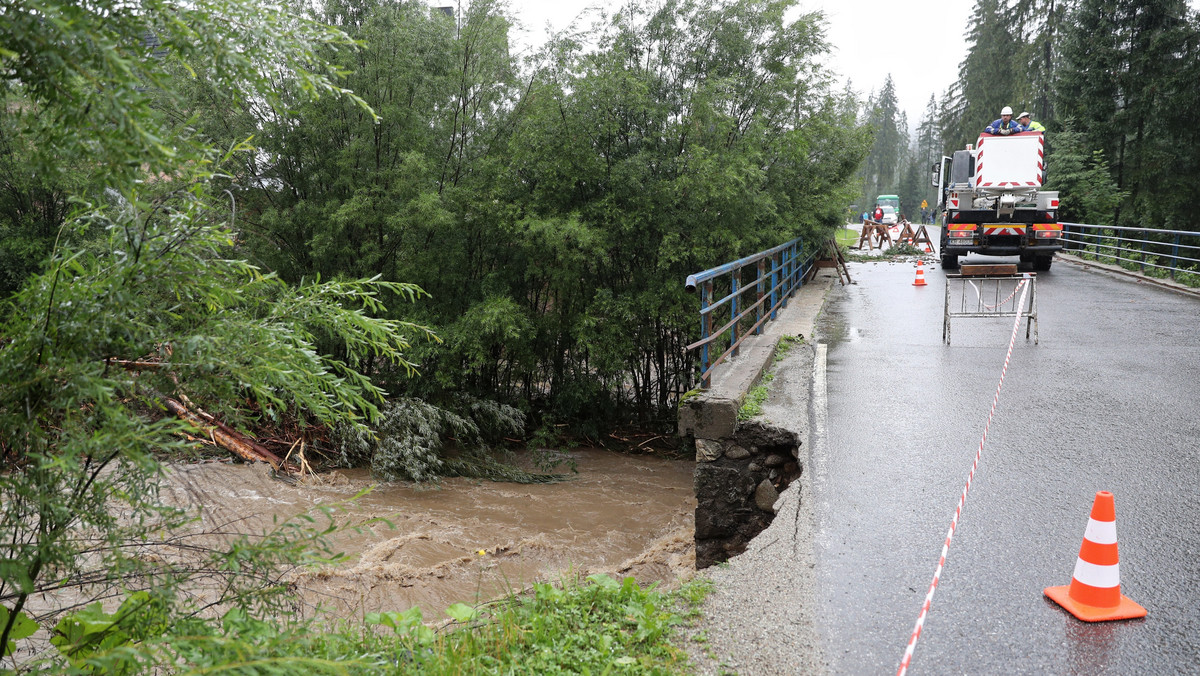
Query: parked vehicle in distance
[[889, 216], [892, 201]]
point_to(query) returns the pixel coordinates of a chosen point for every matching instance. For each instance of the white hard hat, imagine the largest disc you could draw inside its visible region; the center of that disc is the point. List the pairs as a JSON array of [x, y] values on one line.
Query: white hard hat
[[1006, 111]]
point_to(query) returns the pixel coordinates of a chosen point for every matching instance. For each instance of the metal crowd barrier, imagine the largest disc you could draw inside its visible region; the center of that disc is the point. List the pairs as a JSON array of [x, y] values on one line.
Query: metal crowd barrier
[[989, 296]]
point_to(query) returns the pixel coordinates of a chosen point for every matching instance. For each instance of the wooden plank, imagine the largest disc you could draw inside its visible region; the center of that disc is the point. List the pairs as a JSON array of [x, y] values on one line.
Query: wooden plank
[[988, 270]]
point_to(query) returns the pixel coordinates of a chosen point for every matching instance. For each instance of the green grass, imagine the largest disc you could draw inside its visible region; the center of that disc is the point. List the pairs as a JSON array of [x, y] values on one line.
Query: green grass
[[785, 346], [592, 626], [755, 398], [846, 237], [599, 626]]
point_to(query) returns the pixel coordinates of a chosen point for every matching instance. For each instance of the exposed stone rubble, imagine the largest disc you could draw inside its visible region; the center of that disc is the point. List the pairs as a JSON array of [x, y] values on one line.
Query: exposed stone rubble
[[737, 483]]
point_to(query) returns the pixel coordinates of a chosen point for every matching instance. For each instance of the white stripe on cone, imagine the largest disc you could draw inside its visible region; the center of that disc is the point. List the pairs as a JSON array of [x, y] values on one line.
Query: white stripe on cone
[[1101, 532], [1097, 576]]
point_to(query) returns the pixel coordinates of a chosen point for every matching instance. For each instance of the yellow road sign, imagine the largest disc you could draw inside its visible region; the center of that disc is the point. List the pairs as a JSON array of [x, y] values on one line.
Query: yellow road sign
[[924, 204]]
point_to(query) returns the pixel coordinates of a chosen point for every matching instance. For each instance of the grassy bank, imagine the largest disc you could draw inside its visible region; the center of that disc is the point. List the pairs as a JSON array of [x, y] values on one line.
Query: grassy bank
[[600, 626], [846, 237], [594, 626]]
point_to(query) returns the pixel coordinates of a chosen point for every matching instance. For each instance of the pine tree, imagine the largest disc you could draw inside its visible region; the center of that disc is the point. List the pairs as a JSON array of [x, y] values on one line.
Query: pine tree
[[1041, 24], [1121, 82], [989, 75], [929, 140], [881, 169]]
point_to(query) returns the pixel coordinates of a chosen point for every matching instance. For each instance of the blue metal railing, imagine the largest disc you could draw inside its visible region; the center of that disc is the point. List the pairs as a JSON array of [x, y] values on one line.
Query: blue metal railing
[[777, 273], [1172, 251]]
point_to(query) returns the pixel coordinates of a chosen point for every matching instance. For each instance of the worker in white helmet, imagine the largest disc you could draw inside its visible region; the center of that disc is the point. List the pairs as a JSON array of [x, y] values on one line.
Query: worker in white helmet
[[1029, 124], [1005, 125]]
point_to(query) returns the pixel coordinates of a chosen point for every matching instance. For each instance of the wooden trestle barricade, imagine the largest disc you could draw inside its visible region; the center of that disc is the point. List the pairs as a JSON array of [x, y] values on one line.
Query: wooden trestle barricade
[[874, 234], [838, 261], [990, 291], [915, 237]]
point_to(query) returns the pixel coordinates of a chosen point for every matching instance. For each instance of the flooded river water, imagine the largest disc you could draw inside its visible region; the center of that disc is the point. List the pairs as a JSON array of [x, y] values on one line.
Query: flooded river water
[[467, 540]]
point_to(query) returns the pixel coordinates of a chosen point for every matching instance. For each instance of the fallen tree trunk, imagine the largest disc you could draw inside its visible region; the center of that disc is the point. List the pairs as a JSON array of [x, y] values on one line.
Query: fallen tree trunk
[[227, 437], [221, 434]]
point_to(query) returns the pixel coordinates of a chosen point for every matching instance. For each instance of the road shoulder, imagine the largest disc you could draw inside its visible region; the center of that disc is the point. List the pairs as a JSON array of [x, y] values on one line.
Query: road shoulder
[[759, 619]]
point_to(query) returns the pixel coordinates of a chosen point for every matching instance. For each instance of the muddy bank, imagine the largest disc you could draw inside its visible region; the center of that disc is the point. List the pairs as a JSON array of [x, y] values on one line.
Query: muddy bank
[[467, 540]]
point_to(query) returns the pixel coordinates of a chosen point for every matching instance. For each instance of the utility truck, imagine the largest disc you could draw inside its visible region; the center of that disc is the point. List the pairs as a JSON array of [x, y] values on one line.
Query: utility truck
[[992, 202]]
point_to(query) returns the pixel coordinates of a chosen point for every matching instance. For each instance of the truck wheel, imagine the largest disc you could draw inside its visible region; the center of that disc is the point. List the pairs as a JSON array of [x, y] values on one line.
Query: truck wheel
[[950, 262], [1042, 263]]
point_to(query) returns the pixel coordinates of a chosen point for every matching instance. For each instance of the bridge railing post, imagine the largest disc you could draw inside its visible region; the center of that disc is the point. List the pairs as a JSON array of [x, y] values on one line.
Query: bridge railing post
[[734, 296], [788, 256], [797, 266], [759, 293], [1175, 256], [706, 294], [776, 265]]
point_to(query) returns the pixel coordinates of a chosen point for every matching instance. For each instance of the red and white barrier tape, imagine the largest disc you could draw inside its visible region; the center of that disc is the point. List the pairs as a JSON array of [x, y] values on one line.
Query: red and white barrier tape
[[962, 499], [998, 305]]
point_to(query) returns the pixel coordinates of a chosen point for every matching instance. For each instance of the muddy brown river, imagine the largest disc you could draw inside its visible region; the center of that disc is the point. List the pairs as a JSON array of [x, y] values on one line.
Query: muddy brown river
[[467, 540]]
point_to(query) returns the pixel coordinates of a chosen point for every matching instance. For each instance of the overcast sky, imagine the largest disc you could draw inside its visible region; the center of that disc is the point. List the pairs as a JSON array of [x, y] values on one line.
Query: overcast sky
[[918, 42]]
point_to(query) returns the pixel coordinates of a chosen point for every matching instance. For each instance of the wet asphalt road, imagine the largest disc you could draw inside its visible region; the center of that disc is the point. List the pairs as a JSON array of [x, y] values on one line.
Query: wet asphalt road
[[1109, 400]]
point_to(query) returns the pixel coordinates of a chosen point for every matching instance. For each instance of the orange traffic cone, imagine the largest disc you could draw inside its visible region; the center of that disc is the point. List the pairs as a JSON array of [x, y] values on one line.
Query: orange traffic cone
[[1094, 594], [920, 281]]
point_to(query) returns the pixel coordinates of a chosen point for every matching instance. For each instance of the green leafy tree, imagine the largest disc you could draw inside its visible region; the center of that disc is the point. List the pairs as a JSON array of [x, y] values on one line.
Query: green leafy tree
[[94, 76], [89, 102], [159, 307], [336, 188], [691, 134], [33, 206], [410, 194], [552, 218]]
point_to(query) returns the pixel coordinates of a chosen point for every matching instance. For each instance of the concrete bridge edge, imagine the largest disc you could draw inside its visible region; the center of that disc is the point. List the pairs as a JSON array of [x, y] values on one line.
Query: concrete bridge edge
[[712, 414], [761, 615], [742, 468]]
